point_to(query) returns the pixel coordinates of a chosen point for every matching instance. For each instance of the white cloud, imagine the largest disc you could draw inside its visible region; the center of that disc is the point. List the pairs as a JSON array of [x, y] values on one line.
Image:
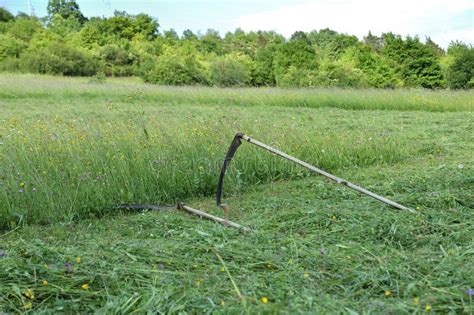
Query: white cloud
[[442, 20]]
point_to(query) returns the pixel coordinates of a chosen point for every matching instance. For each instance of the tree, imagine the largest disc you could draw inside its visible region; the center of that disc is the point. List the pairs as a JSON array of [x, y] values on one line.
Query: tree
[[437, 50], [10, 47], [171, 37], [416, 64], [66, 9], [231, 70], [24, 28], [211, 42], [262, 71], [300, 36], [58, 58], [5, 15], [294, 63], [461, 72], [176, 67], [125, 26], [374, 42], [189, 35]]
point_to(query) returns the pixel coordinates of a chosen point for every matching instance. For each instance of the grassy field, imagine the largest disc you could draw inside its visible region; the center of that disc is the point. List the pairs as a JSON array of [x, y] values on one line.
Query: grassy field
[[71, 149]]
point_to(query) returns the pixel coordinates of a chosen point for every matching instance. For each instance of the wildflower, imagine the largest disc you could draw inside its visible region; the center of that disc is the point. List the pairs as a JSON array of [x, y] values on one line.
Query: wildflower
[[28, 306], [387, 293], [306, 275], [22, 184], [222, 303], [67, 265], [222, 269], [2, 253], [29, 294], [470, 291], [85, 286], [460, 166], [416, 301], [78, 259], [45, 282], [199, 282], [264, 300], [418, 208], [428, 307], [322, 252], [21, 191]]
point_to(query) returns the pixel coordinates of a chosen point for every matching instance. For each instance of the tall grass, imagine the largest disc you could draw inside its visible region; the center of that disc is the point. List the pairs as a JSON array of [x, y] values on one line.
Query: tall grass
[[83, 148], [56, 89], [68, 169]]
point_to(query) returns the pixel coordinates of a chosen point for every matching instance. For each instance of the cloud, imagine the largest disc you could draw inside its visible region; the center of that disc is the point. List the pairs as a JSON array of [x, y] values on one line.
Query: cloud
[[442, 20]]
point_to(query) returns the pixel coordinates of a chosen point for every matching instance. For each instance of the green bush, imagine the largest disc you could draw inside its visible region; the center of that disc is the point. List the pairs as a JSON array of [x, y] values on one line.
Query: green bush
[[58, 58], [176, 67], [116, 61], [295, 63], [10, 46], [10, 65], [262, 70], [24, 28], [230, 70], [461, 72]]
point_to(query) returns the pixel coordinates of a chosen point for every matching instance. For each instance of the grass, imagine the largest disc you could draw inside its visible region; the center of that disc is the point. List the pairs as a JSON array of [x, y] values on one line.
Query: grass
[[318, 248], [60, 90]]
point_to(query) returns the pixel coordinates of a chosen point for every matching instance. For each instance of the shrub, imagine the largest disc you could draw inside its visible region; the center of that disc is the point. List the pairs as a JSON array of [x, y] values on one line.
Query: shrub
[[10, 65], [10, 46], [230, 70], [461, 72], [117, 61], [58, 58], [295, 62], [176, 67]]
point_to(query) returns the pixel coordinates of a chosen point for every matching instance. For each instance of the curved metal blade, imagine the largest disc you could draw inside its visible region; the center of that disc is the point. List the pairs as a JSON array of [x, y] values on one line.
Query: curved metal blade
[[236, 142]]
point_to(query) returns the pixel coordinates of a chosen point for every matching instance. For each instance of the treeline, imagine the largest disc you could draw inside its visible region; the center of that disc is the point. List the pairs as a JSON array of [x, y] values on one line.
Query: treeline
[[67, 43]]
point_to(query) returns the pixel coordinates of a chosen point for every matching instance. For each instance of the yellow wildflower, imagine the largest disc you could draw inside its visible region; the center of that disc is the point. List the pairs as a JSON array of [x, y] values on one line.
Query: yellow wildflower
[[45, 282], [78, 259], [416, 301], [222, 269], [264, 300], [306, 275], [85, 286], [428, 307], [222, 303], [28, 306], [30, 294], [387, 293]]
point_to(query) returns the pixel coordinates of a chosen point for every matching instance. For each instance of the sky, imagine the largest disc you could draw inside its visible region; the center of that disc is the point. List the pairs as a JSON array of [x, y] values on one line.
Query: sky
[[442, 20]]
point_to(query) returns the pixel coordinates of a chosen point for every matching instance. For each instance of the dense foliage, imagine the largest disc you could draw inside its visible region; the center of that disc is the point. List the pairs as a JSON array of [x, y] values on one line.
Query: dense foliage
[[67, 43]]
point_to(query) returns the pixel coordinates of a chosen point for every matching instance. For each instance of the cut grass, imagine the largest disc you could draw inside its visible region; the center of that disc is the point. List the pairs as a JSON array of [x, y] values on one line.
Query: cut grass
[[317, 248], [71, 150]]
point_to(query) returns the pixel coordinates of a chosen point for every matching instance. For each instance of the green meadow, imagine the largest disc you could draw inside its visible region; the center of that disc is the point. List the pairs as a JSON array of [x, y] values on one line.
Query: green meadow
[[72, 149]]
